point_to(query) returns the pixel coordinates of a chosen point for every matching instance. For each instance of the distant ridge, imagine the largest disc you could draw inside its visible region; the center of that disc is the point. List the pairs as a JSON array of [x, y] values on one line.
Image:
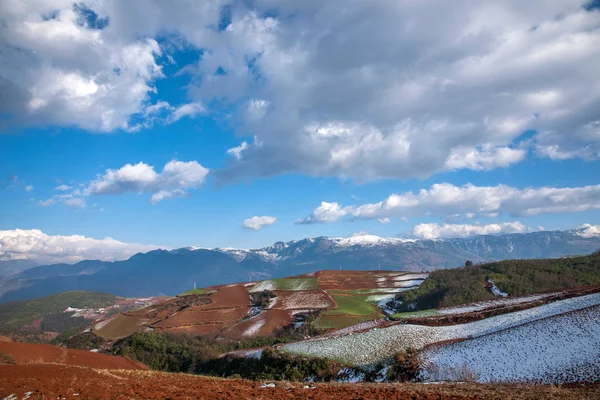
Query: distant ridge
[[168, 272]]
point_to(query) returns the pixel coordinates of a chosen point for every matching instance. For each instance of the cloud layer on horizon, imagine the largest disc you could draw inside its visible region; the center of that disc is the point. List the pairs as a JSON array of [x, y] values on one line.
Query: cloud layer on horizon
[[446, 199], [33, 244]]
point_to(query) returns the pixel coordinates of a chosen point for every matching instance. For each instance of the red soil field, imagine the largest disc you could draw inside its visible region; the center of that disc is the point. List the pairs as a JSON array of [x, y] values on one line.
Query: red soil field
[[347, 280], [194, 330], [71, 382], [29, 353]]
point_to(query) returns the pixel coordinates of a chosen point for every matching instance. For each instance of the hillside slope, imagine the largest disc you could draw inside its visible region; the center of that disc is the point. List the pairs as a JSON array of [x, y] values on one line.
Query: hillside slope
[[516, 277], [163, 272]]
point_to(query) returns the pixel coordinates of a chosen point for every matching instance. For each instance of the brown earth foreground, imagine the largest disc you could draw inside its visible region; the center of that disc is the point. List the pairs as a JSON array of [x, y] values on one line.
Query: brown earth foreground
[[56, 381]]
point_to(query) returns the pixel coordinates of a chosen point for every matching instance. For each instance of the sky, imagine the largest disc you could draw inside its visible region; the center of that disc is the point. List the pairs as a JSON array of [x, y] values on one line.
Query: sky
[[126, 126]]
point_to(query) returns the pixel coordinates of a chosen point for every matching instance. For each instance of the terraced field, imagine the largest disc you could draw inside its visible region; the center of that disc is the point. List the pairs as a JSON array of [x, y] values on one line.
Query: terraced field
[[344, 298]]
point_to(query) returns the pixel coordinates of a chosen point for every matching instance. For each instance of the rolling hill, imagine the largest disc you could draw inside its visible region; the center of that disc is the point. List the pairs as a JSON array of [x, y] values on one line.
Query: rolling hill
[[169, 272]]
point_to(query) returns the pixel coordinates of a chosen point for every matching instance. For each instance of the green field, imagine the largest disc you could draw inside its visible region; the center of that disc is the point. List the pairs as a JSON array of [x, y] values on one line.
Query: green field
[[414, 314], [296, 284], [352, 305], [339, 321], [196, 291]]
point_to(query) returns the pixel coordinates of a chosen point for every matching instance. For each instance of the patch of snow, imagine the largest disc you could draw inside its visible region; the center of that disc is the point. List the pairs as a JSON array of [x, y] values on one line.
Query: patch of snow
[[94, 350], [368, 240], [502, 302], [264, 285], [268, 385], [496, 290], [273, 302], [350, 375], [254, 328], [588, 231]]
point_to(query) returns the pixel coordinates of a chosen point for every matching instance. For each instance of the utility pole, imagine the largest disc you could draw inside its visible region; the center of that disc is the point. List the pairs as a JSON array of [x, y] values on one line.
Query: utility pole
[[194, 285]]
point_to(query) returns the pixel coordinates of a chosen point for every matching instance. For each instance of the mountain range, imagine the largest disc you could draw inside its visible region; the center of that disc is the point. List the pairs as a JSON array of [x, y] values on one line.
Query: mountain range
[[169, 272]]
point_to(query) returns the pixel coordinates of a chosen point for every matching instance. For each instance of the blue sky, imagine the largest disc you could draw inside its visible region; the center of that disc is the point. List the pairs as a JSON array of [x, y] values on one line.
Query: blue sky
[[459, 127]]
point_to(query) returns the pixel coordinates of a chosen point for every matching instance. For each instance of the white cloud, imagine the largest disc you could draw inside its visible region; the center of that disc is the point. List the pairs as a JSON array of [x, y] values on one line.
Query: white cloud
[[60, 70], [76, 202], [186, 110], [36, 245], [237, 151], [175, 177], [445, 199], [359, 233], [434, 231], [384, 220], [362, 90], [63, 188], [167, 194], [47, 203], [28, 188], [256, 223], [483, 158], [326, 212], [403, 89]]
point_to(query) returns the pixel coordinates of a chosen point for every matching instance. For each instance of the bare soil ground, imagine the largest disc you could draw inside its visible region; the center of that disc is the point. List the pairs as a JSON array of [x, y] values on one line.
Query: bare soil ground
[[29, 353], [72, 382]]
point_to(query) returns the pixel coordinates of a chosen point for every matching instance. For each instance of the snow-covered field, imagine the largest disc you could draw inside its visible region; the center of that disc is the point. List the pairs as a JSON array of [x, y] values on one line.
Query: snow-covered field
[[559, 349], [378, 345], [501, 302], [304, 299]]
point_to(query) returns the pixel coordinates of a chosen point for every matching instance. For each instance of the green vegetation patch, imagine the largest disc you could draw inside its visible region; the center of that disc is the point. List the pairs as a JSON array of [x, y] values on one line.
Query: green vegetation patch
[[450, 287], [341, 321], [414, 314], [295, 284], [352, 305], [196, 291], [18, 314]]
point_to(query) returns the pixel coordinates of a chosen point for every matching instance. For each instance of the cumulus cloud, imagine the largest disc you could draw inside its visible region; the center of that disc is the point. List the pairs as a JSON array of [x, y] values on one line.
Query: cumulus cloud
[[256, 223], [28, 188], [172, 181], [445, 199], [63, 188], [434, 231], [36, 245], [402, 89], [326, 212]]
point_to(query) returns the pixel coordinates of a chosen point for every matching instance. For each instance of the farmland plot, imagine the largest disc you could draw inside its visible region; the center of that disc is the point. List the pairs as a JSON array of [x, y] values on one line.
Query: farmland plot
[[560, 349], [375, 346]]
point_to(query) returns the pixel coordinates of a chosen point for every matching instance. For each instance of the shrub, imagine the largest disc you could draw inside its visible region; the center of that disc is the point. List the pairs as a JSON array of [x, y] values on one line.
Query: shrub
[[406, 367], [7, 359]]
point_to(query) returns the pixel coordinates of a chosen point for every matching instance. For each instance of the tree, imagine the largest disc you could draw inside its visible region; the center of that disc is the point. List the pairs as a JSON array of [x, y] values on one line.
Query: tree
[[468, 263]]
